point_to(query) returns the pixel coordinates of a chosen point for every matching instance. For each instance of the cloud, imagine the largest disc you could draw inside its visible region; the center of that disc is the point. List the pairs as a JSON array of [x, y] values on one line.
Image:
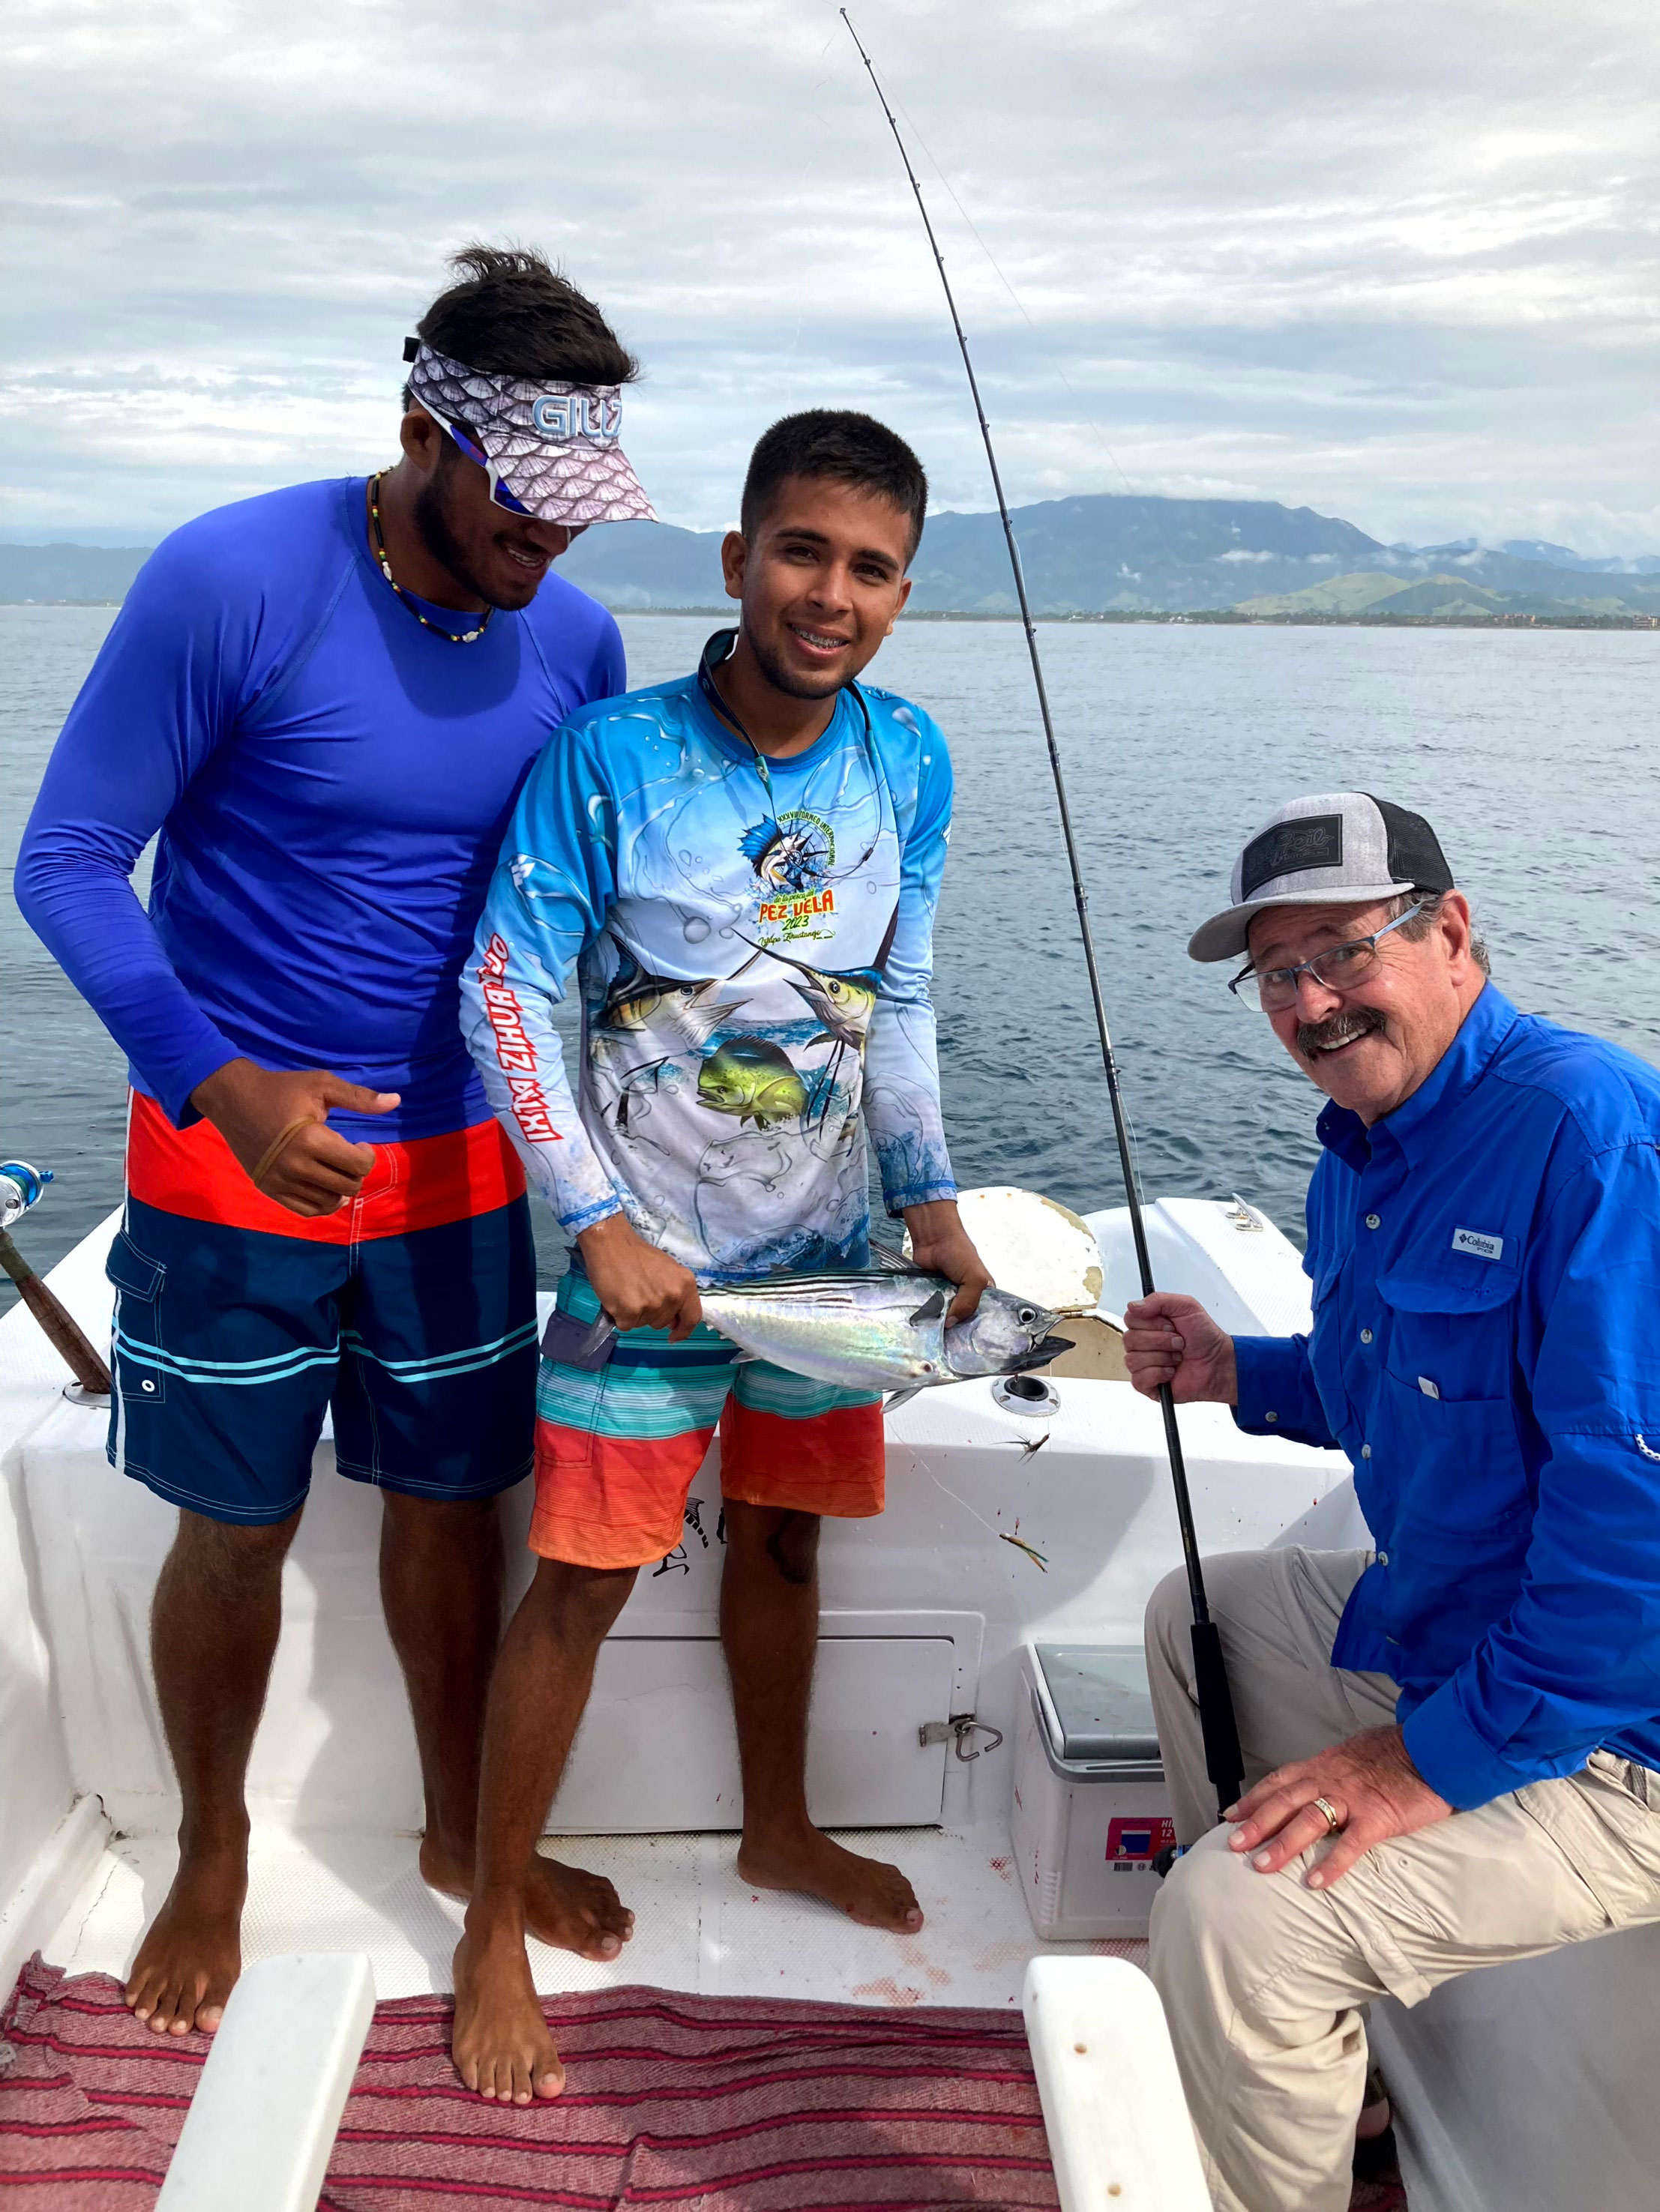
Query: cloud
[[1397, 263]]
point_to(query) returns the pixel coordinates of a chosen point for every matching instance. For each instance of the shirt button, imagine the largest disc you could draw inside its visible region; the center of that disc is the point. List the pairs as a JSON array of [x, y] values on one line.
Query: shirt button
[[1372, 1221], [1365, 1451], [1365, 1336], [1270, 1417], [1383, 1558]]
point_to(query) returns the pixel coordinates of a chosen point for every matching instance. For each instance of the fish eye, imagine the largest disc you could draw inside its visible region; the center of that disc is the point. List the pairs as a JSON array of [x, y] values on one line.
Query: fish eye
[[1026, 1315]]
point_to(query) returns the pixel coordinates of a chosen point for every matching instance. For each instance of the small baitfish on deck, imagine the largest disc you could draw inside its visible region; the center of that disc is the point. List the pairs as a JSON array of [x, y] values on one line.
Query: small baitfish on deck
[[874, 1330]]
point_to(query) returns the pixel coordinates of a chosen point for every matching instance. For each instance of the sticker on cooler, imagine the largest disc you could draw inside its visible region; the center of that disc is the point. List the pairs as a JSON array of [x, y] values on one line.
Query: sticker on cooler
[[1132, 1843]]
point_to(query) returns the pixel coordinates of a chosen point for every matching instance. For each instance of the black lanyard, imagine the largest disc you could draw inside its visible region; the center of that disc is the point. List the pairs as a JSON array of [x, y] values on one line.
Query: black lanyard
[[718, 649]]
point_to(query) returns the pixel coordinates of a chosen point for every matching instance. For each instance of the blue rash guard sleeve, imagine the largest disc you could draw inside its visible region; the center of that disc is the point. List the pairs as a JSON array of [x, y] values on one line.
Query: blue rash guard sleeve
[[902, 1068], [1576, 1661], [166, 686], [548, 899]]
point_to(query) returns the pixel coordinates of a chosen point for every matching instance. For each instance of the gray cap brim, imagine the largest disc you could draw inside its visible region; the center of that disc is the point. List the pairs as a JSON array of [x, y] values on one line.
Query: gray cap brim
[[1226, 936]]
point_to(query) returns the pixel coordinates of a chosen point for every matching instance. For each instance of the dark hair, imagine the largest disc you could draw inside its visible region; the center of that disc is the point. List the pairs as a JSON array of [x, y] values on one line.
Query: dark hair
[[512, 313], [854, 449]]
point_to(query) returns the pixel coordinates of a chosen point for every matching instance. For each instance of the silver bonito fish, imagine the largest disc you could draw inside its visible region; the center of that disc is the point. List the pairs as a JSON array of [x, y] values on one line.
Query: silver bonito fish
[[874, 1330]]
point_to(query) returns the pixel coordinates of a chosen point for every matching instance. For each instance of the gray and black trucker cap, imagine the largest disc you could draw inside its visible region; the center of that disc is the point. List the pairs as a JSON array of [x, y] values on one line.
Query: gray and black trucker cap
[[1338, 848]]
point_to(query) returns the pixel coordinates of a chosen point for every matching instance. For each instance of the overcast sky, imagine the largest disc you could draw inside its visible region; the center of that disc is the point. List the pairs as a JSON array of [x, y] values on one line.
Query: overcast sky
[[1396, 261]]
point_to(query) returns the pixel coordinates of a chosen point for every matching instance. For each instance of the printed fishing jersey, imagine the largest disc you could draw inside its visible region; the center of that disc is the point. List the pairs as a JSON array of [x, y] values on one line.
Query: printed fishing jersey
[[753, 939]]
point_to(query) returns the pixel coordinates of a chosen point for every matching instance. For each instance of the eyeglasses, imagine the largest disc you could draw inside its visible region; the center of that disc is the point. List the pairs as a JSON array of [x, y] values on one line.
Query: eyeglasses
[[1340, 967]]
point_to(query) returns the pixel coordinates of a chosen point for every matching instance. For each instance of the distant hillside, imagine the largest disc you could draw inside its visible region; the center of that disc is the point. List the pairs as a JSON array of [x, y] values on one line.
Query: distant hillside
[[51, 573], [1371, 597], [1101, 554]]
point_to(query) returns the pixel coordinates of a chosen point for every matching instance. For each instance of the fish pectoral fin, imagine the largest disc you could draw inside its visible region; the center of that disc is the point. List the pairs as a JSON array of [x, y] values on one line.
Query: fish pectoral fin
[[901, 1398], [595, 1349], [930, 1309]]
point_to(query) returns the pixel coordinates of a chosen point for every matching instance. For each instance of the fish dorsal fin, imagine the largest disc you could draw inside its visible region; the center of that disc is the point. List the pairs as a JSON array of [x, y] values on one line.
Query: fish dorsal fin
[[931, 1308], [891, 1261]]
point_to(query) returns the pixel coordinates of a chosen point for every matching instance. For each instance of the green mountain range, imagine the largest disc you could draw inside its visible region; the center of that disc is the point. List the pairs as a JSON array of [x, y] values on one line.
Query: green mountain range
[[1096, 555]]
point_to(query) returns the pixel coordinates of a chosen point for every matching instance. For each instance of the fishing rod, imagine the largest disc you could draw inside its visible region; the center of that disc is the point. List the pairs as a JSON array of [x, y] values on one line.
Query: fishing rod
[[1223, 1761]]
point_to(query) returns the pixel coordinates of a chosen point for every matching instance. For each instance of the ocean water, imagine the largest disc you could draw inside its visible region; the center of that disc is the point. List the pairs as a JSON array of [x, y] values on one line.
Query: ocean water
[[1530, 753]]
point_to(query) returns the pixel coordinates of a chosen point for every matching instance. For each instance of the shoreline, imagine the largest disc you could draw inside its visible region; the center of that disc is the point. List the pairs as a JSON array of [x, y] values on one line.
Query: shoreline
[[1227, 617]]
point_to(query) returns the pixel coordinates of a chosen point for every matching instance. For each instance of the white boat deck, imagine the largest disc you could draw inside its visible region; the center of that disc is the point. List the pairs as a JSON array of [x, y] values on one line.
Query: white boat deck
[[697, 1927], [1522, 2089]]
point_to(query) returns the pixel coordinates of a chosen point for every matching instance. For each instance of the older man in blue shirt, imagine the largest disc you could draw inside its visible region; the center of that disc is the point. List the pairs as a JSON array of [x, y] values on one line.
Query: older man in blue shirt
[[1451, 1740]]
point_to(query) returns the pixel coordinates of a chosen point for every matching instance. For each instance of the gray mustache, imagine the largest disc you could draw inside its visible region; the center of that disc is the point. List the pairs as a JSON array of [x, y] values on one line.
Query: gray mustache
[[1336, 1029]]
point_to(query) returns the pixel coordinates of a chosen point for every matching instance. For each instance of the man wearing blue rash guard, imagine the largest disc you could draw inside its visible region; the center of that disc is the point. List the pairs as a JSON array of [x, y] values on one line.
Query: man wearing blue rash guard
[[324, 700], [742, 867]]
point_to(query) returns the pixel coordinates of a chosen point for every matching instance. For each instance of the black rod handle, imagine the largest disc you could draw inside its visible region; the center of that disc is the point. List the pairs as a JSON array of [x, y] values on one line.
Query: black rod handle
[[1224, 1762]]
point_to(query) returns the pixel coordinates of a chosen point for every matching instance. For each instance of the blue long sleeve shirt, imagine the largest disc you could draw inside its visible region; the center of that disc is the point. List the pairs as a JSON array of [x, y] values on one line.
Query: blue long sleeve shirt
[[331, 781], [1486, 1263]]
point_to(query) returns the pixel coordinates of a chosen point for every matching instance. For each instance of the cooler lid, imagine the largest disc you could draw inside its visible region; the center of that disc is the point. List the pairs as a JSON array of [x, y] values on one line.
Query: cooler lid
[[1099, 1692]]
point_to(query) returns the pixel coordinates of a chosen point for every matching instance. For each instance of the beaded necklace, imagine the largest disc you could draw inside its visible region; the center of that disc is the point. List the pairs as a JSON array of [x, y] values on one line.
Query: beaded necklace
[[379, 545]]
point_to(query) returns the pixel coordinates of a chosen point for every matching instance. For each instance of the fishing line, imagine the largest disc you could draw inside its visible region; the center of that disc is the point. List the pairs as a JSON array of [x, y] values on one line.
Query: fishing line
[[1223, 1761], [1166, 546]]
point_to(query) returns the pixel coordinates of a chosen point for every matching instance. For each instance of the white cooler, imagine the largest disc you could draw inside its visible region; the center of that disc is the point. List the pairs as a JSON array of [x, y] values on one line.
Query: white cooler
[[1090, 1808]]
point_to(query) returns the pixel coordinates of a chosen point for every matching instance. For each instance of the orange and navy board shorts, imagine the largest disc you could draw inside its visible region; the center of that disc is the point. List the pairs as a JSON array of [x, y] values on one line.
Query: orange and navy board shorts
[[617, 1448], [410, 1313]]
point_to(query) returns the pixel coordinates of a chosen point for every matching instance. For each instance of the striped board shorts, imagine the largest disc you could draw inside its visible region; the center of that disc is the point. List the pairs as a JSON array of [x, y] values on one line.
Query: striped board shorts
[[617, 1448], [410, 1313]]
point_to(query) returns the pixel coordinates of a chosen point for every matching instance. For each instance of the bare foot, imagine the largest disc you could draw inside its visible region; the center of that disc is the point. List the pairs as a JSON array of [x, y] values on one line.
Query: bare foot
[[565, 1906], [500, 2043], [868, 1891], [188, 1963]]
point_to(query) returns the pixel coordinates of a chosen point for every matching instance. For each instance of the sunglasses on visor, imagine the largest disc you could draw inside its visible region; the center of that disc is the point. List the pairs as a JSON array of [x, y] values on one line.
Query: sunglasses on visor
[[499, 491]]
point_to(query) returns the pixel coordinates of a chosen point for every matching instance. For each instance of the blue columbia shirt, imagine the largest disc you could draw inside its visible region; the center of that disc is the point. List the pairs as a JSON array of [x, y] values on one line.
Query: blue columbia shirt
[[1486, 1299], [331, 781]]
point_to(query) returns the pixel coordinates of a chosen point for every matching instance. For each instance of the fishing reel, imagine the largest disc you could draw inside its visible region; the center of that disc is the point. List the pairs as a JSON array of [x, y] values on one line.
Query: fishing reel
[[20, 1187]]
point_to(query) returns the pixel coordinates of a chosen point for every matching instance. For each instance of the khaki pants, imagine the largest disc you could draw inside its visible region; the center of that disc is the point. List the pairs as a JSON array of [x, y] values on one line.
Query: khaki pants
[[1261, 1977]]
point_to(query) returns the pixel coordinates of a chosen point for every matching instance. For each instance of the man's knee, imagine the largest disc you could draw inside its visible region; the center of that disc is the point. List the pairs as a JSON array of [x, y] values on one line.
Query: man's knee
[[1216, 1913], [578, 1605], [226, 1559], [438, 1524], [1169, 1610], [786, 1539]]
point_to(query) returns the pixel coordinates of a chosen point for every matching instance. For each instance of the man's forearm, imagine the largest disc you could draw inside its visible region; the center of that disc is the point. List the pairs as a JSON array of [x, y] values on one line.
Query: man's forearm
[[85, 913]]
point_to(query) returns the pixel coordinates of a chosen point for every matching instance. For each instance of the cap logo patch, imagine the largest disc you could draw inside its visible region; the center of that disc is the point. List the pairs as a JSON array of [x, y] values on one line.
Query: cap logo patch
[[1316, 841], [1477, 1242]]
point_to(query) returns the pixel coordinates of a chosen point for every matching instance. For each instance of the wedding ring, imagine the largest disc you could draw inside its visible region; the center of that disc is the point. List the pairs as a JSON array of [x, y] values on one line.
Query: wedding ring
[[1324, 1805]]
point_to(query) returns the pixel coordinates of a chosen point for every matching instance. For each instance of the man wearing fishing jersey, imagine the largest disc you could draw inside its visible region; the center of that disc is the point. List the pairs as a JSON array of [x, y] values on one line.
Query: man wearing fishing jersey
[[742, 866], [324, 700]]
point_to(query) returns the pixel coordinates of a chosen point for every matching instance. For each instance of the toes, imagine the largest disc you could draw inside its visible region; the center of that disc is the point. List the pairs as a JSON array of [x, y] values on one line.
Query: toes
[[208, 2016], [550, 2080]]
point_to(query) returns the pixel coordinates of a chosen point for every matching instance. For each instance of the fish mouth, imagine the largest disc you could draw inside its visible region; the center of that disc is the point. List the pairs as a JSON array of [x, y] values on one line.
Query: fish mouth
[[1040, 1355]]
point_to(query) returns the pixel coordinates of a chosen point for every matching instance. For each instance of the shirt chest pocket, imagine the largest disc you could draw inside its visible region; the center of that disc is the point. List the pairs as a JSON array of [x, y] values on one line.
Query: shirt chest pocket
[[1447, 1405], [1450, 1335]]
